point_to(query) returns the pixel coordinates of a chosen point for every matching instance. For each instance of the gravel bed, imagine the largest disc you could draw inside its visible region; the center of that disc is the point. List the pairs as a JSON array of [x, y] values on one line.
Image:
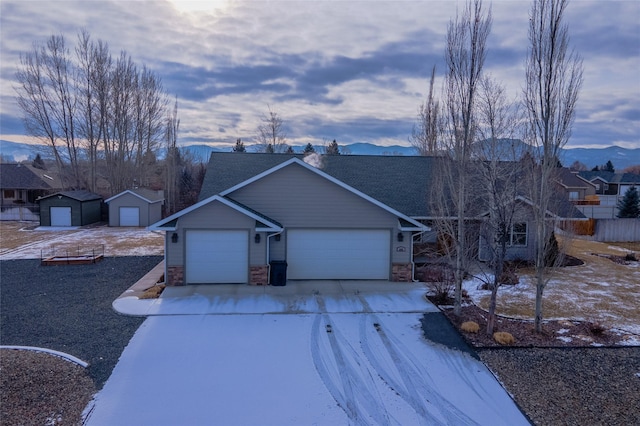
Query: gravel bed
[[571, 386], [51, 390], [68, 308]]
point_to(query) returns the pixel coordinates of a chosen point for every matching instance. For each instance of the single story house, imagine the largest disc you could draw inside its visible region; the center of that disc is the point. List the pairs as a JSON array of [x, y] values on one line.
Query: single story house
[[70, 208], [135, 207], [20, 187], [331, 217]]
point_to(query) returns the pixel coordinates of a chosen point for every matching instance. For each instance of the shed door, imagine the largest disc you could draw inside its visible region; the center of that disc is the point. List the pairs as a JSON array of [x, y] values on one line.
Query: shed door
[[217, 257], [338, 254], [60, 216], [129, 216]]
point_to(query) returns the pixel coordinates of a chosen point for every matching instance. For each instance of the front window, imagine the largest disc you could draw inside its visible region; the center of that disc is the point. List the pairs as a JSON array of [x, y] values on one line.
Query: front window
[[574, 195], [9, 194], [518, 235]]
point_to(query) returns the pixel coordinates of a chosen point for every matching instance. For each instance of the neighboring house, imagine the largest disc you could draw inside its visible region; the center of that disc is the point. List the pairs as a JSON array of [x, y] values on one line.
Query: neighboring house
[[70, 208], [352, 217], [610, 187], [20, 187], [135, 207], [577, 189]]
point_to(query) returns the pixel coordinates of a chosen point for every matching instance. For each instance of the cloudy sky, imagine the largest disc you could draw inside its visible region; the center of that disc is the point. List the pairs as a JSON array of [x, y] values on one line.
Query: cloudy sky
[[354, 71]]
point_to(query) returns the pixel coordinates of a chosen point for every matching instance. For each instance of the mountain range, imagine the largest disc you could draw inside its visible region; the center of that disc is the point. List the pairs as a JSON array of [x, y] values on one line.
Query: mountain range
[[591, 157]]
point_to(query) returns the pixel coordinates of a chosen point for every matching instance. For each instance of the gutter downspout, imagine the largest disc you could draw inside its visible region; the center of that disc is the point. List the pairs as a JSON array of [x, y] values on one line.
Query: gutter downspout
[[268, 262]]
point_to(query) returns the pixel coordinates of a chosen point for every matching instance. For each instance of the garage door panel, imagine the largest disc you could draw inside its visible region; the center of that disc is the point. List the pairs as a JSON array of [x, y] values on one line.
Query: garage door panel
[[214, 257], [129, 216], [338, 254], [60, 216]]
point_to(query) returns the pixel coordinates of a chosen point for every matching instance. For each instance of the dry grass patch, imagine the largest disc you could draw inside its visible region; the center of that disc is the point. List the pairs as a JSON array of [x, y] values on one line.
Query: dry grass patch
[[600, 291], [470, 327], [152, 292], [504, 338]]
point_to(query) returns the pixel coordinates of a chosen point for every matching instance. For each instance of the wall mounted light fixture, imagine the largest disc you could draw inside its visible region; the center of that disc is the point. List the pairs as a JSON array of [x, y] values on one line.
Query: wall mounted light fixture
[[257, 239], [174, 237], [400, 237]]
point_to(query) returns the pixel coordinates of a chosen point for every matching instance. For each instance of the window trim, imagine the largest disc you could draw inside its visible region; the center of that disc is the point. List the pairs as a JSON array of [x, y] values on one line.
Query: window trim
[[513, 235]]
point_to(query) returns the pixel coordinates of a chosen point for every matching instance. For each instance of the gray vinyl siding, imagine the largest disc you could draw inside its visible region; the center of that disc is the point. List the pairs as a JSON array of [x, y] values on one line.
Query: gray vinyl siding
[[149, 212], [401, 251], [303, 200], [214, 216]]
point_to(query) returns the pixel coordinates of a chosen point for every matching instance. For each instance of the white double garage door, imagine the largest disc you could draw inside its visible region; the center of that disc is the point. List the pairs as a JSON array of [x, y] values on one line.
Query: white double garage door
[[222, 256]]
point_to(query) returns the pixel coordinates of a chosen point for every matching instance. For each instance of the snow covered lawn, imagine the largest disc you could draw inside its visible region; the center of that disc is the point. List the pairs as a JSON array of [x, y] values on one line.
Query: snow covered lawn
[[294, 369], [21, 241]]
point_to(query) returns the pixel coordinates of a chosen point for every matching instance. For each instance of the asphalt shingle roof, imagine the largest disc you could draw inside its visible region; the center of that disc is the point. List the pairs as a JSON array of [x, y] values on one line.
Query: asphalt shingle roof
[[20, 176], [611, 177], [401, 182]]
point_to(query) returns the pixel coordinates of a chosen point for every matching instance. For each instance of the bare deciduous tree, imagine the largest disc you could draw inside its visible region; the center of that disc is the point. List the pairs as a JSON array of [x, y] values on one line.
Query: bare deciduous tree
[[88, 108], [47, 98], [498, 181], [424, 136], [465, 54], [271, 133], [33, 97], [553, 82], [172, 158]]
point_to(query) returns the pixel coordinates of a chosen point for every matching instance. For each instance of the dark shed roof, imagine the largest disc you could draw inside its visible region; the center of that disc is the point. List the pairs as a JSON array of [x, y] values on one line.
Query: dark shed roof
[[78, 195]]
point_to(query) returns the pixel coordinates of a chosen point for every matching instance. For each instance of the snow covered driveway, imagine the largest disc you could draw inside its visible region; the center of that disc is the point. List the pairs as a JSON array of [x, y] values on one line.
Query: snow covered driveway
[[322, 368]]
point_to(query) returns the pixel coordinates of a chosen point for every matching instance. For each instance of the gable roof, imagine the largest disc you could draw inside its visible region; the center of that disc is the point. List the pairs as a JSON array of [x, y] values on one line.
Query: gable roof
[[143, 193], [78, 195], [396, 181], [23, 176], [263, 223], [570, 179], [340, 183], [611, 177], [402, 183]]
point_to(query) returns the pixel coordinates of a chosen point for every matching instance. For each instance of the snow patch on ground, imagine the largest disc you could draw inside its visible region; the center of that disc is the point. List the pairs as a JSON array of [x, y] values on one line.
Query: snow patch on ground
[[115, 241]]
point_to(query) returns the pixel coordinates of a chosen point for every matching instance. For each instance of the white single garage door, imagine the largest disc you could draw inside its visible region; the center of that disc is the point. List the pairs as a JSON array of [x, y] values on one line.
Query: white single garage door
[[217, 257], [60, 216], [338, 254], [129, 216]]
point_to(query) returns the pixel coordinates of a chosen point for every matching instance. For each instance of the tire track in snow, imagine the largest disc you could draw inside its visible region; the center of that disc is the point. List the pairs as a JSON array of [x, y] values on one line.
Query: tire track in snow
[[353, 389], [416, 386]]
